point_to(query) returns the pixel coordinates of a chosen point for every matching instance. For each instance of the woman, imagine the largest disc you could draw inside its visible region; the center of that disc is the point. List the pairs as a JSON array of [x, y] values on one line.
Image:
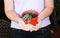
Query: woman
[[14, 9]]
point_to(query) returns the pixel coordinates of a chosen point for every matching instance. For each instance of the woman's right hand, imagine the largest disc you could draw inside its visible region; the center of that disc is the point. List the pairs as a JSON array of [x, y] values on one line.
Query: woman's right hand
[[26, 27]]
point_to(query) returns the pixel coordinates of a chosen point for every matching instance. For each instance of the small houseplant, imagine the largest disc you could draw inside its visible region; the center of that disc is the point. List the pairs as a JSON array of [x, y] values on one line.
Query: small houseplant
[[30, 16]]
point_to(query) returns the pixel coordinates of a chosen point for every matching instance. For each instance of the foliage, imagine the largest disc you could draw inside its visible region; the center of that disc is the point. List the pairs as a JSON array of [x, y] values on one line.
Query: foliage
[[55, 17]]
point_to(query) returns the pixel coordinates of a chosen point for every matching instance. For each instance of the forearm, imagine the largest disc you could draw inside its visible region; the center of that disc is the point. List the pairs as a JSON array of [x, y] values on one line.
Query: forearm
[[13, 16], [45, 13]]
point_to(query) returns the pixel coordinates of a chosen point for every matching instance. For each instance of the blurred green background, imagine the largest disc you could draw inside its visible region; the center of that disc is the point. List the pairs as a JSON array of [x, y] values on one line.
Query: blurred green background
[[55, 17]]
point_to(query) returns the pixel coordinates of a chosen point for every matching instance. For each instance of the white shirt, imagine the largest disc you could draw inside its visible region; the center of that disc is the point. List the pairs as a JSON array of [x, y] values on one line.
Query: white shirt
[[23, 5]]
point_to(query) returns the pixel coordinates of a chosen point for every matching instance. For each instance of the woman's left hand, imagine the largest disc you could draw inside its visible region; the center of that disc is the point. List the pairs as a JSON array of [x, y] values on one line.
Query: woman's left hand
[[38, 26]]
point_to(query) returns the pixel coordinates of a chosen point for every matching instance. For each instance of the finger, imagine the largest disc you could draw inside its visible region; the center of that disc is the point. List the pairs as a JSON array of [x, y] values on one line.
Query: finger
[[30, 27], [30, 30], [26, 29], [36, 28]]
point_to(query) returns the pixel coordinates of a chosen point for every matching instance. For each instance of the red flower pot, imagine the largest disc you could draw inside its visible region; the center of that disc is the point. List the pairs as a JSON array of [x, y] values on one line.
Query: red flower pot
[[34, 20]]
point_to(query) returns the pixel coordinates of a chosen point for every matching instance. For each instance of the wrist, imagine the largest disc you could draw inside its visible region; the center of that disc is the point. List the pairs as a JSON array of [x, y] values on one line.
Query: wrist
[[39, 18], [20, 20]]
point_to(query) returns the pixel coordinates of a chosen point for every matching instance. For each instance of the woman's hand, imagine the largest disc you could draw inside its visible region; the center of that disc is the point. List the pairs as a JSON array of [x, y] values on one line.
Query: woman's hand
[[38, 26], [26, 27]]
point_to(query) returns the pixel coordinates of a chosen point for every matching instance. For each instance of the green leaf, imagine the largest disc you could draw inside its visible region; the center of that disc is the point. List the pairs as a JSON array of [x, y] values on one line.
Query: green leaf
[[29, 18], [25, 17]]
